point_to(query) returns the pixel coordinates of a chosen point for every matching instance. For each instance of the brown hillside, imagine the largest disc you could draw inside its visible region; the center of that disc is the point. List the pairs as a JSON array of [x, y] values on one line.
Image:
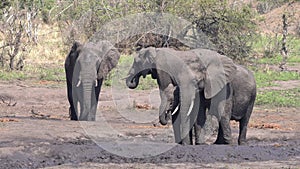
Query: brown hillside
[[271, 22]]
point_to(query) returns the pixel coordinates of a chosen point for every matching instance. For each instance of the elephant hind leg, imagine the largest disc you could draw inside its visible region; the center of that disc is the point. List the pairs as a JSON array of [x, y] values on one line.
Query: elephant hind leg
[[243, 123], [243, 131]]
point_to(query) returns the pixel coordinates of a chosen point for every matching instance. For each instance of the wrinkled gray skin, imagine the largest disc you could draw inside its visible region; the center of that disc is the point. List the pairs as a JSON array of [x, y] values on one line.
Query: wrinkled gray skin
[[243, 98], [86, 66], [203, 79], [169, 108]]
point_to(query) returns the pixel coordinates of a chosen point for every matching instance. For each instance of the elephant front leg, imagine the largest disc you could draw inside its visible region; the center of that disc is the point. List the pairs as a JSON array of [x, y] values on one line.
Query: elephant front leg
[[73, 103], [224, 132], [72, 113], [199, 125], [221, 106], [73, 109]]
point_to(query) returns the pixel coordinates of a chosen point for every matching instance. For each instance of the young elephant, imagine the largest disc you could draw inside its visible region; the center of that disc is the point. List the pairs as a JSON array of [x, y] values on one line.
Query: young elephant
[[242, 106]]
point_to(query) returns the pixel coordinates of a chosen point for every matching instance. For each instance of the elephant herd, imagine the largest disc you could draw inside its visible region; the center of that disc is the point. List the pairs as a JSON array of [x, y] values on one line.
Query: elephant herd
[[193, 84]]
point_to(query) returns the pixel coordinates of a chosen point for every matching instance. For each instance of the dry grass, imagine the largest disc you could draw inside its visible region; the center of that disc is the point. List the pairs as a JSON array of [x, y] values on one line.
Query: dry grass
[[271, 22], [50, 49]]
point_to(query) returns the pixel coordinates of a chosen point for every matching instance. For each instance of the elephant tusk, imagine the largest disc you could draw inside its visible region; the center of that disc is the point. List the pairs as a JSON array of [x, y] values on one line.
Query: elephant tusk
[[175, 110], [191, 108], [78, 84], [124, 78], [96, 83]]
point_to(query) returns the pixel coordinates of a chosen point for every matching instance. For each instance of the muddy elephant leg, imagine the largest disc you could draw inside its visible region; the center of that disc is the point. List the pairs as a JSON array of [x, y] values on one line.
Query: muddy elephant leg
[[224, 132], [176, 128], [74, 107], [199, 125], [244, 123], [197, 129], [201, 119], [72, 111], [193, 123], [243, 130], [223, 106]]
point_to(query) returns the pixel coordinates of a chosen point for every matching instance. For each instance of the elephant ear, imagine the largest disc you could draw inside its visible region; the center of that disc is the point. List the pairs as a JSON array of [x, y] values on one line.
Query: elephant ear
[[220, 70], [110, 57], [73, 54]]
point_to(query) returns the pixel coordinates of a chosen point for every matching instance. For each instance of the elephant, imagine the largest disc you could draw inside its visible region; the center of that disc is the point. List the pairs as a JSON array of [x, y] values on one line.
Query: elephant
[[243, 98], [86, 66], [201, 80]]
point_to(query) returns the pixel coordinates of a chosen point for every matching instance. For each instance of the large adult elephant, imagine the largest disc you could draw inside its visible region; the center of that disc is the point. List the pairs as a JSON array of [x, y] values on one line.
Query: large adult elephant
[[203, 78], [243, 98], [86, 66]]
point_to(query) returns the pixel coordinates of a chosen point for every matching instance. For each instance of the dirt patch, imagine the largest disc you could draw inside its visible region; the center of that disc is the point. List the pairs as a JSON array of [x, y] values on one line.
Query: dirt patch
[[36, 133], [282, 85]]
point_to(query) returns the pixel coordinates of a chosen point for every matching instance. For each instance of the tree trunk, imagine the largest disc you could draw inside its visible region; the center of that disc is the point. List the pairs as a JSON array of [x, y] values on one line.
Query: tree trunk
[[284, 51]]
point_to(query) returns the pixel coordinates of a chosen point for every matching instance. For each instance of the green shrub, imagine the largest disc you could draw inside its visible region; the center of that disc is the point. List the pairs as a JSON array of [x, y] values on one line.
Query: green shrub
[[279, 98]]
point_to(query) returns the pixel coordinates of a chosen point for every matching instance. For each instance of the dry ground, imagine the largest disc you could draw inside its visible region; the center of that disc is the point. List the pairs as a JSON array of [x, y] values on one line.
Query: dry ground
[[36, 133]]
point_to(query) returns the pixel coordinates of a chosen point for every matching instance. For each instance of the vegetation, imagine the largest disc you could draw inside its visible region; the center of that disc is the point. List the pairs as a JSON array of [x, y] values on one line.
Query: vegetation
[[267, 78], [279, 98], [269, 46], [229, 28]]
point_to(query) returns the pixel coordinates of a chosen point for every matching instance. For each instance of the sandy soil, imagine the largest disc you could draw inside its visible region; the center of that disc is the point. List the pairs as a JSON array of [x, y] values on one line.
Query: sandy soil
[[36, 133]]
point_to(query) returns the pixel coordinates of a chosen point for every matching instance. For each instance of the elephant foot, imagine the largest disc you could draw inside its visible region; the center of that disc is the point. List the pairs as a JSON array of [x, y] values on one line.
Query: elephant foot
[[244, 142], [185, 143], [74, 118], [92, 119], [223, 141], [201, 144], [73, 115]]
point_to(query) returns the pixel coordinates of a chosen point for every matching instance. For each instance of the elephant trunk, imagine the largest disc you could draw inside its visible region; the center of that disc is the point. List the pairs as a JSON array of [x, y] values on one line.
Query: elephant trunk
[[164, 116], [189, 107], [88, 109], [132, 81]]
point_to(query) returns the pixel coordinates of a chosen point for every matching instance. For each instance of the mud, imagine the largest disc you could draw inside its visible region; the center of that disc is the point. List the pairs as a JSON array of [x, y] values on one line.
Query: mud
[[43, 153], [36, 133]]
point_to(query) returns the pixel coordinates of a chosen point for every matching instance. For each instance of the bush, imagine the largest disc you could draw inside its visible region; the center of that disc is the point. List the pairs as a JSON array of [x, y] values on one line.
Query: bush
[[230, 29]]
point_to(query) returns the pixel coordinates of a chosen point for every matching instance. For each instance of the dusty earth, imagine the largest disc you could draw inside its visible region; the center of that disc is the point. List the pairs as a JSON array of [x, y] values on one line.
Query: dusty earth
[[36, 133]]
